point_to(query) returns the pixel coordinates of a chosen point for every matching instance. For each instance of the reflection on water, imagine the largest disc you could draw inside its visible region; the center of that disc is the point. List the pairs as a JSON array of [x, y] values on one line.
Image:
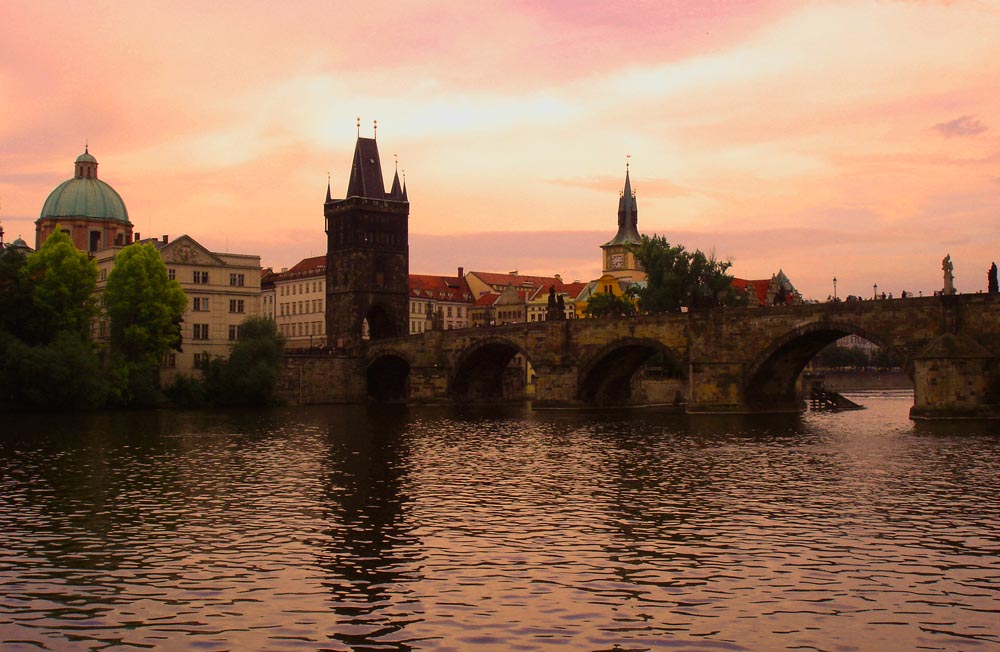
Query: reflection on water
[[429, 529]]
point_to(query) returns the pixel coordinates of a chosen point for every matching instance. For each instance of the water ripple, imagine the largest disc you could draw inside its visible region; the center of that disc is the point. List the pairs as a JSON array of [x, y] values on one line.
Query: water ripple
[[343, 529]]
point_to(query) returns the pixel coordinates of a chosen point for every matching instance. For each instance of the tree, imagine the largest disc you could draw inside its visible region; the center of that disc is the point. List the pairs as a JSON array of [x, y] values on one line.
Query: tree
[[251, 373], [605, 304], [46, 303], [62, 374], [62, 280], [679, 278], [17, 314], [247, 377], [145, 309]]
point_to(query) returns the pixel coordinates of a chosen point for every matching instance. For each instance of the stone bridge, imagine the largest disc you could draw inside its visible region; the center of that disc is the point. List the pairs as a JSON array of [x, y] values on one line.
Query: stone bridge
[[725, 360]]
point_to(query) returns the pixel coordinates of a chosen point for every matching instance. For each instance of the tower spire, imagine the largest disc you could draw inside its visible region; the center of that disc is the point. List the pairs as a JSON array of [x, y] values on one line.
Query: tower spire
[[397, 189], [329, 197], [375, 131], [359, 126], [628, 212]]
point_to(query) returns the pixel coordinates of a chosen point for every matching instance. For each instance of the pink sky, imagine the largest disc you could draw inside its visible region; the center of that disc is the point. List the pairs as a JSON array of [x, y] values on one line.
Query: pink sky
[[852, 139]]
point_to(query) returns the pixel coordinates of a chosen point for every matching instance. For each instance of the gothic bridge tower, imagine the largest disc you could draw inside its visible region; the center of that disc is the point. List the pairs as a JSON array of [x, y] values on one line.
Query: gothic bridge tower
[[367, 254]]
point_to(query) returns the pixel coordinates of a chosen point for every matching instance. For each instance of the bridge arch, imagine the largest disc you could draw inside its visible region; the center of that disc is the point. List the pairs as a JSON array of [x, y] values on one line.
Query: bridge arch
[[388, 377], [606, 377], [771, 378], [493, 369]]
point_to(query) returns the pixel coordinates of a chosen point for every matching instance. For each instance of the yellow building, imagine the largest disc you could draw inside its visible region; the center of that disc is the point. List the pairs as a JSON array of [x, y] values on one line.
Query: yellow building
[[222, 290], [296, 300]]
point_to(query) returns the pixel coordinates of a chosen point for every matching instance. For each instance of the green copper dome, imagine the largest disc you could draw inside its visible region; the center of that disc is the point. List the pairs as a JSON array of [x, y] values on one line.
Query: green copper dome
[[85, 195]]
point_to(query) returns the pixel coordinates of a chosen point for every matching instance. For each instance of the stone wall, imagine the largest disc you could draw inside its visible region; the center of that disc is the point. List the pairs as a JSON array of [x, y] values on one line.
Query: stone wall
[[317, 379]]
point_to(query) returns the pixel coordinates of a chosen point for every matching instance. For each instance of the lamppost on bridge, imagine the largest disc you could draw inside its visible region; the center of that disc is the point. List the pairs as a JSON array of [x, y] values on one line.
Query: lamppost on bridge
[[875, 291], [834, 288]]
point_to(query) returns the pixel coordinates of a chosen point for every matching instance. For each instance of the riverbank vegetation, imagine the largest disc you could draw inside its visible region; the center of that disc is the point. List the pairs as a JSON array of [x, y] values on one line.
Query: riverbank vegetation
[[50, 360], [847, 358]]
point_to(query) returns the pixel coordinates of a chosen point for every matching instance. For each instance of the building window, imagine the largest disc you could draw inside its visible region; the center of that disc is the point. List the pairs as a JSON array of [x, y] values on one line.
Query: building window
[[449, 311], [201, 360], [236, 279], [200, 304], [172, 274], [170, 361], [234, 333], [236, 305], [200, 332], [104, 274], [201, 277]]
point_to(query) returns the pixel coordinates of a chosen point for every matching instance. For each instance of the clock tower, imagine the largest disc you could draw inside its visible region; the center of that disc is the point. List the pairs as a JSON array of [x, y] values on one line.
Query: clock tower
[[619, 261]]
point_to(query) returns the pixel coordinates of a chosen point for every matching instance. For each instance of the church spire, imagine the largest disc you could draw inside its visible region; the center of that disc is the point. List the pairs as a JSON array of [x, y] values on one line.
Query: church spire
[[628, 215], [329, 197]]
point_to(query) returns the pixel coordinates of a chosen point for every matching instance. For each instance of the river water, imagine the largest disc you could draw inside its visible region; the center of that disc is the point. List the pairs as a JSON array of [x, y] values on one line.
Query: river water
[[347, 528]]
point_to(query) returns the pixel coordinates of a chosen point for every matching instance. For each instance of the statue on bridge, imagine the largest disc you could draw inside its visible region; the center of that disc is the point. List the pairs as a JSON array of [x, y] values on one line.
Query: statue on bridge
[[949, 278], [557, 307], [992, 280]]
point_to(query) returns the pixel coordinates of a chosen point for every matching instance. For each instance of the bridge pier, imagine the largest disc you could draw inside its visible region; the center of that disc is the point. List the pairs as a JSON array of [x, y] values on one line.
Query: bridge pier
[[955, 377], [428, 384], [556, 386], [716, 387]]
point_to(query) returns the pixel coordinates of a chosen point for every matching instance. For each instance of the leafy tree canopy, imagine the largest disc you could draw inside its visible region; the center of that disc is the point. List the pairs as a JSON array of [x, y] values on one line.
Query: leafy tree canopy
[[248, 377], [144, 305], [680, 278], [605, 304], [17, 312], [61, 279], [251, 373], [63, 374]]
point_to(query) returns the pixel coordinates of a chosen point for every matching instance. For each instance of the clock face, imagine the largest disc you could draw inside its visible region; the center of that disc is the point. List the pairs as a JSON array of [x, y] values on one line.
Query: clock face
[[617, 261]]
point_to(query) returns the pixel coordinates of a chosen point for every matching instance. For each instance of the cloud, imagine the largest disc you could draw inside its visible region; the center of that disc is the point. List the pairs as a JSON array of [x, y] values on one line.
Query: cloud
[[966, 125], [643, 187]]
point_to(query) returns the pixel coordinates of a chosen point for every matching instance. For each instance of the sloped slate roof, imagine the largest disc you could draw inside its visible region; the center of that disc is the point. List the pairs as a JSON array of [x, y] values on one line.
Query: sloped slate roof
[[366, 172]]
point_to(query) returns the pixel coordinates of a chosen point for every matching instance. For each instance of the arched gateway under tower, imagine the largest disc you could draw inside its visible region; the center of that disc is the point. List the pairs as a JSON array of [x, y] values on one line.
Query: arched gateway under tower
[[367, 254]]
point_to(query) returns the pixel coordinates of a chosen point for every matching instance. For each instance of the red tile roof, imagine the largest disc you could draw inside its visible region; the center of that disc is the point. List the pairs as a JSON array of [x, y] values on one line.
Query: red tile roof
[[314, 264], [502, 280], [441, 288], [759, 288], [571, 289]]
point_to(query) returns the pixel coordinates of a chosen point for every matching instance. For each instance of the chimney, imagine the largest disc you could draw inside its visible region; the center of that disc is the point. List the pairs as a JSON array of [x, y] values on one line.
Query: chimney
[[461, 272], [166, 239], [558, 278], [138, 237], [514, 273]]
